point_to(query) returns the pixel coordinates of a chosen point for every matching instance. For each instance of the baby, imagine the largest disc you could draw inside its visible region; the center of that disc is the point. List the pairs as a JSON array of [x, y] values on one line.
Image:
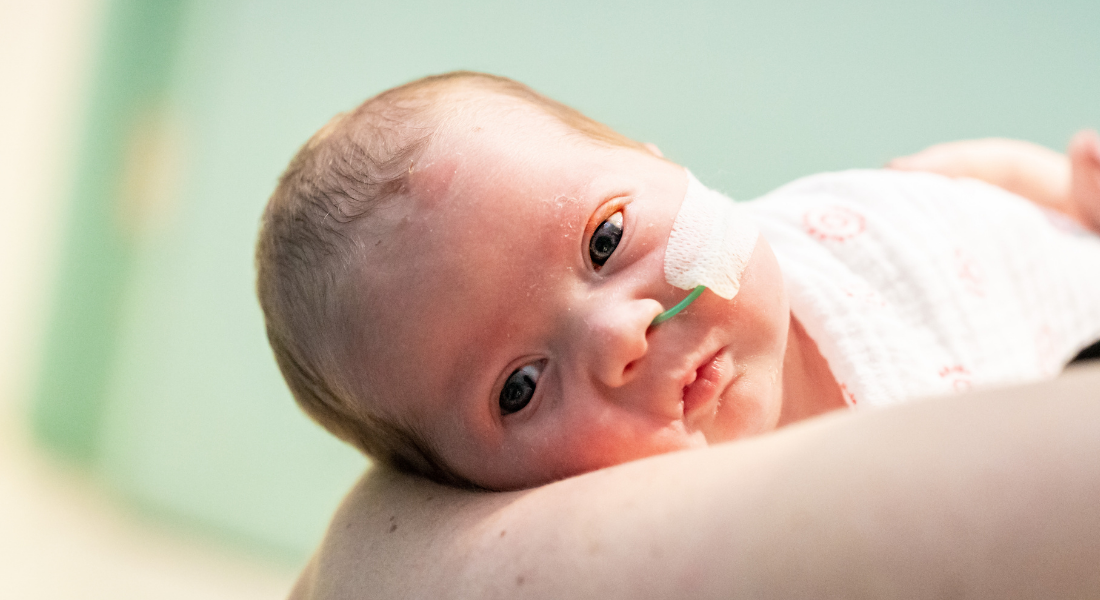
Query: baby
[[461, 278]]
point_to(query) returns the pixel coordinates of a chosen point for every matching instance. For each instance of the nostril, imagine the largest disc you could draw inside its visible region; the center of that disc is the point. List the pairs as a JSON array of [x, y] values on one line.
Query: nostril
[[615, 340]]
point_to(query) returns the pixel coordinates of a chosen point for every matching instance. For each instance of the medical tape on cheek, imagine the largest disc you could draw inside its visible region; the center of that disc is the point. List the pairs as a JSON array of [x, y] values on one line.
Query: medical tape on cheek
[[711, 242]]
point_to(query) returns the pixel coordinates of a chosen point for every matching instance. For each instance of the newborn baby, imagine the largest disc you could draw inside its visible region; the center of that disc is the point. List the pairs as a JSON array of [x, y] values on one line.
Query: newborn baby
[[461, 278]]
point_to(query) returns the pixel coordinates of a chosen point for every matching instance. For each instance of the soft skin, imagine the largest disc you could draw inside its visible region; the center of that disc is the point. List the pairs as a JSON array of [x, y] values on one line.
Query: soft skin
[[484, 268], [1068, 183], [988, 496]]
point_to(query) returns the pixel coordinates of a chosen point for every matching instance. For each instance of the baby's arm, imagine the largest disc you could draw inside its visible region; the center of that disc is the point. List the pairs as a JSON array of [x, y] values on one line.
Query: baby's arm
[[1070, 185]]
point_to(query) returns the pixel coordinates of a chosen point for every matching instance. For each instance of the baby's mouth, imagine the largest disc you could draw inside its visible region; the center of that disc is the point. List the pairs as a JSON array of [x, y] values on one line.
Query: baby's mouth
[[703, 389]]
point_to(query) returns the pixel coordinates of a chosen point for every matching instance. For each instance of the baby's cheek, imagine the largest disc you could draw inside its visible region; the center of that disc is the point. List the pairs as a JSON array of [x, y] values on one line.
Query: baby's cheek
[[763, 307], [592, 448]]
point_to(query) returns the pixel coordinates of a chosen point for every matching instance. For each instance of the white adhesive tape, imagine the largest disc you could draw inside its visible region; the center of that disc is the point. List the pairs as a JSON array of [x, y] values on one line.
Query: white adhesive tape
[[711, 242]]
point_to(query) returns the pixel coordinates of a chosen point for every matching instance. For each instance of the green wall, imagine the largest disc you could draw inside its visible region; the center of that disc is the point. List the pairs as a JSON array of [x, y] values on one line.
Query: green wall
[[157, 373], [138, 48]]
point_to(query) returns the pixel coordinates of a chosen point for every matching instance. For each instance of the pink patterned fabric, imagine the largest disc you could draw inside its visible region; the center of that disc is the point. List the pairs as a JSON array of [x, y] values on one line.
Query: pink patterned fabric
[[917, 285]]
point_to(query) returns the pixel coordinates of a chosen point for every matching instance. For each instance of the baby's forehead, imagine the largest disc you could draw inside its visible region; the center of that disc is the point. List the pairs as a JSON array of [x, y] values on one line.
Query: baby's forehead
[[462, 116], [473, 144]]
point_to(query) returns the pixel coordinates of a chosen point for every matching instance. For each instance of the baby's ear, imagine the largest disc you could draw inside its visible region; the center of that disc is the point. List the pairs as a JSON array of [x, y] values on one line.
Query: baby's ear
[[654, 149]]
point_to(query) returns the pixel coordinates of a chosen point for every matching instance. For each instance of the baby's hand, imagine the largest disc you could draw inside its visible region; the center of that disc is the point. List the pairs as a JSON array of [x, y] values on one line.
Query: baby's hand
[[1084, 190]]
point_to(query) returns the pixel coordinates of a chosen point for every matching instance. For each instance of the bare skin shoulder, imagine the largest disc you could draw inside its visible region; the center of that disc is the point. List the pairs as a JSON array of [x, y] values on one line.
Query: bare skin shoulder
[[1001, 505]]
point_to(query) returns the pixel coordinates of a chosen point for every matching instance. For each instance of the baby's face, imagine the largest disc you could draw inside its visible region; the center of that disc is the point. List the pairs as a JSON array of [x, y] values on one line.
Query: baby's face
[[511, 298]]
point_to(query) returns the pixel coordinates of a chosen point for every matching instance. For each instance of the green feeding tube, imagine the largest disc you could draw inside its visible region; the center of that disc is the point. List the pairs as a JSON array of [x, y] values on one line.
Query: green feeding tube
[[672, 312]]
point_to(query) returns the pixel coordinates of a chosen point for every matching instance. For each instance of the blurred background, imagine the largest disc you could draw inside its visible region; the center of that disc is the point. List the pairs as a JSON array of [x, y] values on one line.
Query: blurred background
[[148, 447]]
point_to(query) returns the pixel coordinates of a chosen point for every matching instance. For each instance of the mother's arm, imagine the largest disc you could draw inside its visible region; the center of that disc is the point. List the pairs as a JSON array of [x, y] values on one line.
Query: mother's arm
[[992, 495]]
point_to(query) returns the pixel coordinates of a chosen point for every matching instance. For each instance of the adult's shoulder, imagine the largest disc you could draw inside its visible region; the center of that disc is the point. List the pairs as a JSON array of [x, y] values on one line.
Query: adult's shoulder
[[1000, 499]]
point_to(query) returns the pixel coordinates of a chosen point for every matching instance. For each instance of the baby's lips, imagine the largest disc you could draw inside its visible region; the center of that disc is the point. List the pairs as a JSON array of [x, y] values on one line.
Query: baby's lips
[[705, 387], [711, 242]]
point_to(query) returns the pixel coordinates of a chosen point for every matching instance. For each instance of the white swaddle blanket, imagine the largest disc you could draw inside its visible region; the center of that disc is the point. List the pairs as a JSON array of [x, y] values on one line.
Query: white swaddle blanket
[[913, 284]]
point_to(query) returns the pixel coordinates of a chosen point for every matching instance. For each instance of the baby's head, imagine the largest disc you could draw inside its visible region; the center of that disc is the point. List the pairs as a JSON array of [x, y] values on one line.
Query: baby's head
[[459, 277]]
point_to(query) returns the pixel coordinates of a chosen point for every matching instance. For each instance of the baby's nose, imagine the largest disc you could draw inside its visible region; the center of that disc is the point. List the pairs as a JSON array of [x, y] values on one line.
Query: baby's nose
[[615, 339]]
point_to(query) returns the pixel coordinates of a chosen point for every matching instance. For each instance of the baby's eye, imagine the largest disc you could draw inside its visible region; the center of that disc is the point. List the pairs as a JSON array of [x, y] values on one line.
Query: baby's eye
[[605, 239], [519, 388]]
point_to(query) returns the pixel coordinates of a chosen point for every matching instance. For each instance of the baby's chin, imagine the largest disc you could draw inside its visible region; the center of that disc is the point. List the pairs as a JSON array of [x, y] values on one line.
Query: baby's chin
[[591, 461]]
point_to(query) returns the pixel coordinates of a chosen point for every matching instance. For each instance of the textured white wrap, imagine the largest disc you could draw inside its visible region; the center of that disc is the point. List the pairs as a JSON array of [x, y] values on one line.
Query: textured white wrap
[[912, 284], [711, 242]]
